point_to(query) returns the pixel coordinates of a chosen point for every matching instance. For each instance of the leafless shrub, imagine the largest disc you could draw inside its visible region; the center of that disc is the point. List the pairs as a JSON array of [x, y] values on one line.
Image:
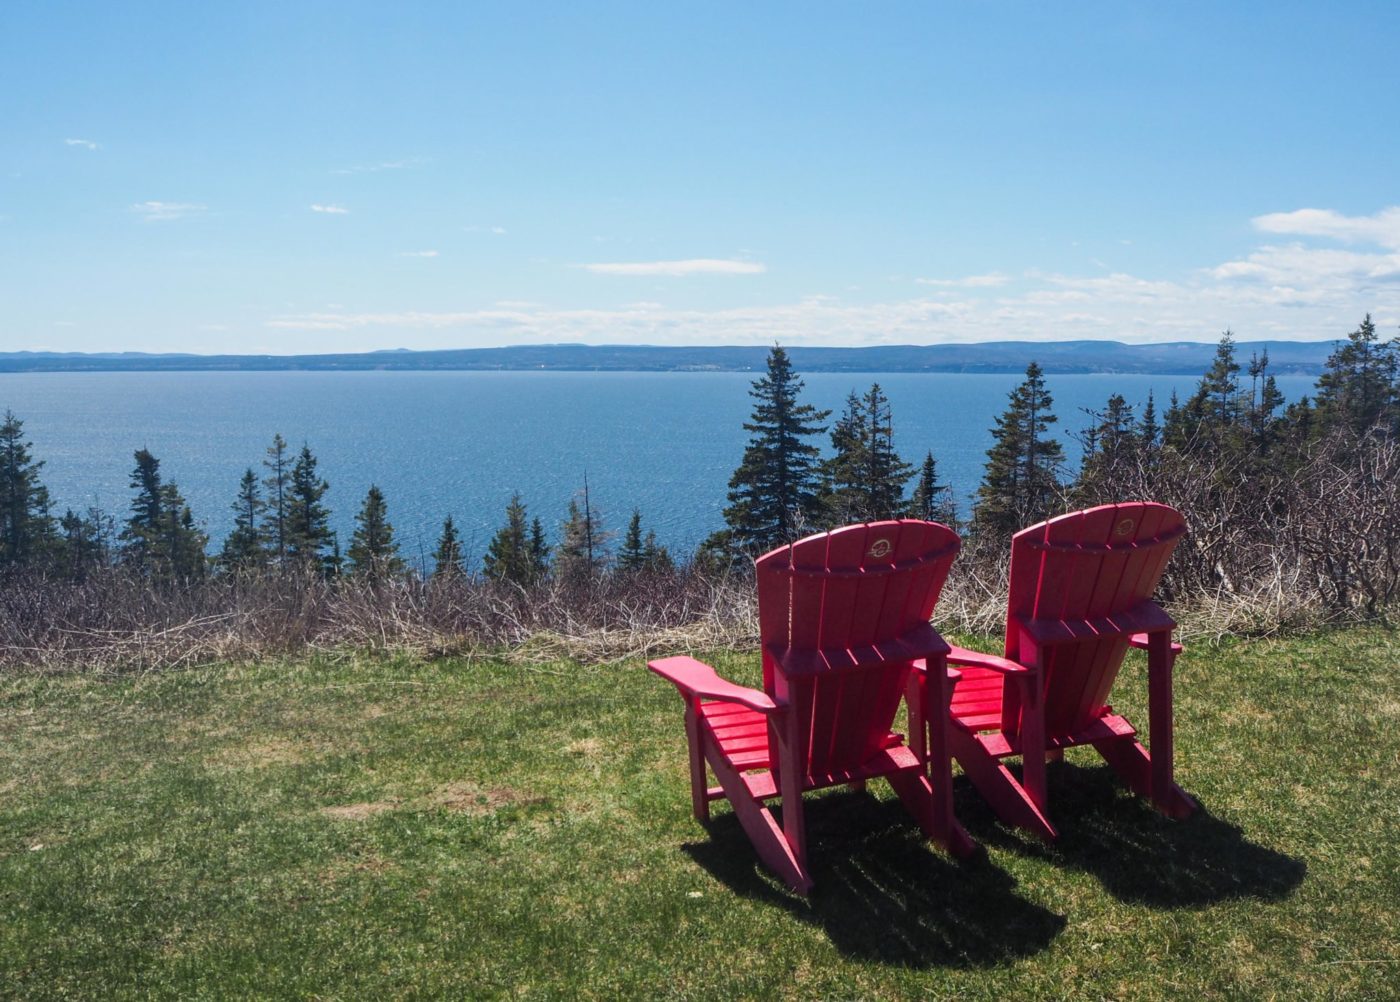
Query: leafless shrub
[[1268, 551]]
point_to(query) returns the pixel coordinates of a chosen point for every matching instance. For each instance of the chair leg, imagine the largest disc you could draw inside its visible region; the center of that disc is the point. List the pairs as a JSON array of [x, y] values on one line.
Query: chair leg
[[1169, 798], [699, 799], [758, 823], [929, 695], [994, 781]]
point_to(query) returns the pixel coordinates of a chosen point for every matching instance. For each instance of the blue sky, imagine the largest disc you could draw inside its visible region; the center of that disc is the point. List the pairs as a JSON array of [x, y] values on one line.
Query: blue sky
[[300, 177]]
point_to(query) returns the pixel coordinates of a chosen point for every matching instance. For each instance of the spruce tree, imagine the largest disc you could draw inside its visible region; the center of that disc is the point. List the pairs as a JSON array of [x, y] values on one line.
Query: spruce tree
[[1358, 389], [773, 495], [1021, 482], [1210, 417], [1149, 432], [582, 552], [447, 558], [932, 501], [508, 555], [631, 556], [26, 525], [160, 536], [373, 553], [1110, 442], [865, 477], [308, 537], [278, 483], [538, 552], [243, 549], [86, 542]]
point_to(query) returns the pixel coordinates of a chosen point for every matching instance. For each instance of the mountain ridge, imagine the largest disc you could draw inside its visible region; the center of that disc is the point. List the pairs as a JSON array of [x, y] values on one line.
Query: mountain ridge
[[1060, 357]]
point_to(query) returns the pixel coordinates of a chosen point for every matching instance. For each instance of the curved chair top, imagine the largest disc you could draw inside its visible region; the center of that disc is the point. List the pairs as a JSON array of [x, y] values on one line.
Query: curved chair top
[[1092, 563], [856, 585]]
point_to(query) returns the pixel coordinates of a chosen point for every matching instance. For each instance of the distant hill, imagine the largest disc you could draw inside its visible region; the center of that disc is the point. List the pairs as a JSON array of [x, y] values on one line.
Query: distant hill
[[1174, 357]]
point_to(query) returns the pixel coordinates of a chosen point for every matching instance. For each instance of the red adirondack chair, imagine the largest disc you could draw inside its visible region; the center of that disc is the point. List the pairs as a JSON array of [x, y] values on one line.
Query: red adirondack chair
[[843, 616], [1080, 597]]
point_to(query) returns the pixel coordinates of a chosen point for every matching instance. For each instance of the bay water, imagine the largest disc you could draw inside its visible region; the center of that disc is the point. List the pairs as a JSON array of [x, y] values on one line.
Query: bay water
[[462, 443]]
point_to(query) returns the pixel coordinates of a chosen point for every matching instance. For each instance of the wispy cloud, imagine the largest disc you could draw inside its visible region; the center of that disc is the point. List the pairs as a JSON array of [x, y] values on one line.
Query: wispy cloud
[[333, 210], [987, 281], [678, 269], [498, 231], [86, 144], [1382, 228], [164, 212], [422, 253], [375, 168], [1291, 290]]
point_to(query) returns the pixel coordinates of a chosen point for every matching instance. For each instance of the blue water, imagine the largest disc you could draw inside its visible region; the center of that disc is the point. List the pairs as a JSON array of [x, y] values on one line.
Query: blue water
[[462, 442]]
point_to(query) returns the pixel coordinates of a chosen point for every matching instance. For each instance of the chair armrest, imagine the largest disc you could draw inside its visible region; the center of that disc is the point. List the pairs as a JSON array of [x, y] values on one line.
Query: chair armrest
[[1139, 640], [697, 680], [975, 659]]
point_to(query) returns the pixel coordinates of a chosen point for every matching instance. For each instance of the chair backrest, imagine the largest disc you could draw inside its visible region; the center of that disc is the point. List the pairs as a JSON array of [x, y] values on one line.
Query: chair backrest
[[1084, 566], [844, 590]]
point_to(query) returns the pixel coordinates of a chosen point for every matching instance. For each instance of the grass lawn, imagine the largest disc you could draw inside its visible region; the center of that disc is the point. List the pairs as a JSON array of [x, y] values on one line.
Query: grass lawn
[[364, 828]]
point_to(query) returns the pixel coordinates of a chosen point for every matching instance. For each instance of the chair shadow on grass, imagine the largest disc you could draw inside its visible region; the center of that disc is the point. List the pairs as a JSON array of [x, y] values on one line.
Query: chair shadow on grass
[[1137, 854], [884, 893]]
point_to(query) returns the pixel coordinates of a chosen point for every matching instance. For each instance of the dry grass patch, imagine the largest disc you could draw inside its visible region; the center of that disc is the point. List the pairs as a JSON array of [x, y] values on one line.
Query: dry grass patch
[[359, 812]]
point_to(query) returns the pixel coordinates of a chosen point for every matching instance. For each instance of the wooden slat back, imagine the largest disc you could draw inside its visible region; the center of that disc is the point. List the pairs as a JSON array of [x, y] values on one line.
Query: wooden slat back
[[1080, 566], [835, 591]]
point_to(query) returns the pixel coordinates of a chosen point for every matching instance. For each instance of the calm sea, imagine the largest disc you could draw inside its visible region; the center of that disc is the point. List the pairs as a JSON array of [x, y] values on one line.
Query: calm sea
[[462, 442]]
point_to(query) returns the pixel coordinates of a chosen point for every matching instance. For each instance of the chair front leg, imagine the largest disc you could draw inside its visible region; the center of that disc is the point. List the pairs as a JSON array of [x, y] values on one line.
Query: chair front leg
[[699, 788], [1033, 737], [791, 770]]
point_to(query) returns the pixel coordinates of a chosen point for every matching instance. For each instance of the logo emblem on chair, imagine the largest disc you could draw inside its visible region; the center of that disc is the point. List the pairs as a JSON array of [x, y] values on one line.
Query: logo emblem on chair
[[880, 548], [1124, 527]]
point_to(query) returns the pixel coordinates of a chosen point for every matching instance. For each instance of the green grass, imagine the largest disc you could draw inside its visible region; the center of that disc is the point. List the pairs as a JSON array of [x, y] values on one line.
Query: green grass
[[385, 829]]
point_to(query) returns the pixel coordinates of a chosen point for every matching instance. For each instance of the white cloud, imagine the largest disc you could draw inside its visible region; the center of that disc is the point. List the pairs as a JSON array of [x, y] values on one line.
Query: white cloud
[[1288, 290], [498, 231], [676, 269], [422, 253], [86, 144], [987, 281], [333, 210], [1382, 229], [161, 212]]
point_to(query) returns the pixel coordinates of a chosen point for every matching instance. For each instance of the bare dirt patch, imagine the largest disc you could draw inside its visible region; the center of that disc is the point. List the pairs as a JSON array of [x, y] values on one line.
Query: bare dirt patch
[[585, 746]]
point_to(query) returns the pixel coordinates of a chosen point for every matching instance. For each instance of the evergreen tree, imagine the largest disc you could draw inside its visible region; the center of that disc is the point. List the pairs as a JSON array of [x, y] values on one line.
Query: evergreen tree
[[1110, 443], [641, 553], [932, 501], [1358, 390], [654, 556], [631, 556], [373, 553], [582, 549], [160, 535], [278, 483], [773, 495], [243, 548], [538, 551], [1210, 418], [447, 558], [1021, 483], [26, 525], [86, 542], [508, 555], [865, 477], [1149, 432], [307, 532]]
